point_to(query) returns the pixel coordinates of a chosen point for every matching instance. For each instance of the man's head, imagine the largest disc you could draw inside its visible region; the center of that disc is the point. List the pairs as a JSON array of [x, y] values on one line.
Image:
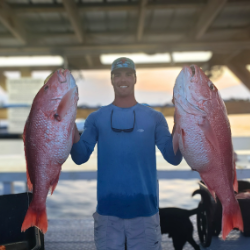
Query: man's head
[[121, 63], [123, 76]]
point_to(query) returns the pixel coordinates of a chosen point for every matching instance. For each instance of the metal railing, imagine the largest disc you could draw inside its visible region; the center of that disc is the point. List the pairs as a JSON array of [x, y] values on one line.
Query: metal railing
[[8, 178]]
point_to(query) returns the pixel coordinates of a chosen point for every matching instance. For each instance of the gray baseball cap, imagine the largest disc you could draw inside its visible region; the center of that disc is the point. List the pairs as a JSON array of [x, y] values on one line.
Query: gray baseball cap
[[123, 62]]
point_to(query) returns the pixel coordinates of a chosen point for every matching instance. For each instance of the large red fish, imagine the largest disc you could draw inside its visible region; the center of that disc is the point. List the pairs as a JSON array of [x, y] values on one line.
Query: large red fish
[[48, 138], [203, 135]]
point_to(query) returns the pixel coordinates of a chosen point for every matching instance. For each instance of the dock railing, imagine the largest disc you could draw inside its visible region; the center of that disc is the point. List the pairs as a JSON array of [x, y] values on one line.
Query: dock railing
[[8, 178]]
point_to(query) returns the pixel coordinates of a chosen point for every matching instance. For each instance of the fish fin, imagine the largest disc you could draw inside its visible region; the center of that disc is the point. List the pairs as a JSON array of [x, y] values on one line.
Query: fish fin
[[34, 218], [231, 220], [53, 184], [176, 131], [24, 133], [209, 189], [212, 193], [244, 195], [176, 142], [235, 183], [183, 137], [29, 183], [64, 105], [204, 124], [73, 134]]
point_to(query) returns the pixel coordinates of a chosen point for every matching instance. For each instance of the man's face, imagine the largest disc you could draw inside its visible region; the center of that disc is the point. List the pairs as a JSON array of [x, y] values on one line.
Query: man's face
[[123, 81]]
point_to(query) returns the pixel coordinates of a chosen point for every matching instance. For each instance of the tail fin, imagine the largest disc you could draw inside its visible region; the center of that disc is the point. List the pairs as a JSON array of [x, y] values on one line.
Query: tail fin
[[231, 220], [35, 218]]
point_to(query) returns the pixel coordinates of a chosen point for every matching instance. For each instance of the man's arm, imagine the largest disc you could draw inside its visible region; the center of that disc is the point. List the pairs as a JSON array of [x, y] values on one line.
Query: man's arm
[[84, 145], [165, 143]]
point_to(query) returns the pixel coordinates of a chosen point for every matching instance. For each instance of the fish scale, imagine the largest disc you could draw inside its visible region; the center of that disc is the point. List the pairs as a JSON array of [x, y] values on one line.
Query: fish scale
[[203, 135]]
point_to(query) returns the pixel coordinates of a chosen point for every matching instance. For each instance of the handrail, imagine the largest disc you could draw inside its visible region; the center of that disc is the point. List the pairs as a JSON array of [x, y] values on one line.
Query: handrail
[[9, 177]]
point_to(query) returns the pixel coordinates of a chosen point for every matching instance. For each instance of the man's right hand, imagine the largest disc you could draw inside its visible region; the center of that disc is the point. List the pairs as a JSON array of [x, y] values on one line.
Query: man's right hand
[[76, 135]]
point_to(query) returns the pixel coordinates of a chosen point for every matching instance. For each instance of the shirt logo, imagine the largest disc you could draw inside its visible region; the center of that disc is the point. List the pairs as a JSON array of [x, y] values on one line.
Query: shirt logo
[[140, 130]]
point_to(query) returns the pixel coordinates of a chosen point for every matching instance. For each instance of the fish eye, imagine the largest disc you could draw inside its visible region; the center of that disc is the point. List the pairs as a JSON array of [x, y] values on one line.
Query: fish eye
[[46, 87], [211, 86]]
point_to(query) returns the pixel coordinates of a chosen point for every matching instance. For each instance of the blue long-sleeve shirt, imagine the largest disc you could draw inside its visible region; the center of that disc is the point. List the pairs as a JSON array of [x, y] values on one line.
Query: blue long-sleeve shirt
[[127, 184]]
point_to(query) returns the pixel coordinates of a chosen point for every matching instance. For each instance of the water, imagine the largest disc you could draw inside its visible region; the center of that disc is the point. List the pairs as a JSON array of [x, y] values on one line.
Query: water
[[77, 199]]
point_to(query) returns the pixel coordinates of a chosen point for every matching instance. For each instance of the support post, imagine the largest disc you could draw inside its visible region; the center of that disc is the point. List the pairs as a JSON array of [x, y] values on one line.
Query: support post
[[8, 187]]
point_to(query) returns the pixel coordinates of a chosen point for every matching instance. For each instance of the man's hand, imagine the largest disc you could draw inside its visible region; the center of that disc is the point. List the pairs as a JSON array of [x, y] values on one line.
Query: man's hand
[[76, 135]]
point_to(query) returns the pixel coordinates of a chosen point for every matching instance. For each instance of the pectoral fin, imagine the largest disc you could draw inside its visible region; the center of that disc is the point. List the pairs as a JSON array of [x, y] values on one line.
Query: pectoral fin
[[64, 105], [176, 138], [208, 131], [176, 131]]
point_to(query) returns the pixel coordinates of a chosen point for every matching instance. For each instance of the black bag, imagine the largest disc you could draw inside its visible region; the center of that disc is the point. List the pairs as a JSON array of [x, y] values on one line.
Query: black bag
[[13, 209]]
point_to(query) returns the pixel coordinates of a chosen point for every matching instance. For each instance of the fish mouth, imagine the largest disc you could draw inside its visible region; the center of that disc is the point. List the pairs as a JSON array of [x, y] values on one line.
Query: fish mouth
[[192, 70], [62, 75]]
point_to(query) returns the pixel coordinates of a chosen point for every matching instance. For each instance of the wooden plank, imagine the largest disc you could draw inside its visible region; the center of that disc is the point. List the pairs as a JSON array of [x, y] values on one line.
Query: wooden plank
[[10, 21], [240, 71], [141, 20], [78, 50], [74, 18], [3, 81], [87, 7], [89, 61], [207, 16], [3, 113]]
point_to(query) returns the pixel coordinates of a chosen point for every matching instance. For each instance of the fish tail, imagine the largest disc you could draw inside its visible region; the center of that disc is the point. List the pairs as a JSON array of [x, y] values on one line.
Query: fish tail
[[231, 220], [35, 218]]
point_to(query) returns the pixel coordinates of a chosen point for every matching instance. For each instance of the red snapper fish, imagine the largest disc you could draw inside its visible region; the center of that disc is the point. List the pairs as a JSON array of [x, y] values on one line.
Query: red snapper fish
[[203, 135], [48, 138]]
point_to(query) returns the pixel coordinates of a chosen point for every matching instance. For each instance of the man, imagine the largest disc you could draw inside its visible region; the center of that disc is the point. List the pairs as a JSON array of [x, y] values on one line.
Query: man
[[127, 186]]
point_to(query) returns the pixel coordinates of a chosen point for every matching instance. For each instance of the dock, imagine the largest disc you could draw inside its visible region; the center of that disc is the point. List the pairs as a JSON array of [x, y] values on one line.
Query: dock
[[78, 234]]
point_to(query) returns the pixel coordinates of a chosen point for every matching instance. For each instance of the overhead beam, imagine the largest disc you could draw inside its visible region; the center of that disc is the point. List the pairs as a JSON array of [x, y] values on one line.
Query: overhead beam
[[207, 16], [141, 20], [221, 47], [74, 18], [92, 37], [9, 20], [109, 6], [89, 61], [240, 71], [75, 63]]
